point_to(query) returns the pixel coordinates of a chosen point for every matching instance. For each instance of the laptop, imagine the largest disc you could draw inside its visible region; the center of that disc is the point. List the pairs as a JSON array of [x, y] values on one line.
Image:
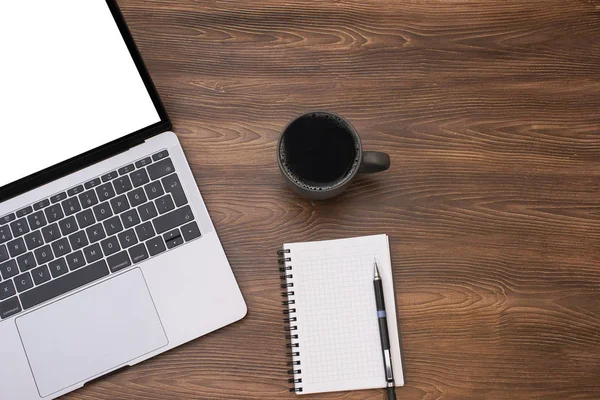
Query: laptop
[[108, 255]]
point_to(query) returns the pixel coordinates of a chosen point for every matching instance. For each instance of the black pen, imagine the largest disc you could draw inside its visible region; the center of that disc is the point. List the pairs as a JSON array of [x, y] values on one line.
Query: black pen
[[384, 334]]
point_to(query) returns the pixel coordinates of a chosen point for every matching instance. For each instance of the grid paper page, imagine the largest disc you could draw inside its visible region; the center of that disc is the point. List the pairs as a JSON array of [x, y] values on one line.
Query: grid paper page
[[338, 335]]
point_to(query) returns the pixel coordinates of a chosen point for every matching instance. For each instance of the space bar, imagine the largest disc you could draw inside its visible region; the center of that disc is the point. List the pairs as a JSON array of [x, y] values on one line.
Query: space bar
[[64, 284]]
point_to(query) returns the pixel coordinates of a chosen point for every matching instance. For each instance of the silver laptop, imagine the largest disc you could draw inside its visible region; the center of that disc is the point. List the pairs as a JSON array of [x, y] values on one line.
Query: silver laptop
[[107, 253]]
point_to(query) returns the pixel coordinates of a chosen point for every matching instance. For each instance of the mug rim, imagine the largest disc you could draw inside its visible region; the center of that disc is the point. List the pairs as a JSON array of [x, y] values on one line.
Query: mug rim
[[346, 178]]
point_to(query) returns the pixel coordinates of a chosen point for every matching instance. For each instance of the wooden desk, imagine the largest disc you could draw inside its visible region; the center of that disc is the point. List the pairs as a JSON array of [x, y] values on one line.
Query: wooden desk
[[491, 113]]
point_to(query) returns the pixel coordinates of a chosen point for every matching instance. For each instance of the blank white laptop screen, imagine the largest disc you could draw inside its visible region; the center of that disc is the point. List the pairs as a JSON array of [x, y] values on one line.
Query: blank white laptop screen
[[67, 84]]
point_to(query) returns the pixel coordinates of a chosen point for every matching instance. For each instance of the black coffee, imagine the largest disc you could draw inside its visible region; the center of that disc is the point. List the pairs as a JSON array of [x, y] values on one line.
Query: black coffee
[[319, 150]]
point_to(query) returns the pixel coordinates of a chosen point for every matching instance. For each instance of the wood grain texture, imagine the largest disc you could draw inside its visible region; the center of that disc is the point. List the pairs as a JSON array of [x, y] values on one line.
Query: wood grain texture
[[490, 111]]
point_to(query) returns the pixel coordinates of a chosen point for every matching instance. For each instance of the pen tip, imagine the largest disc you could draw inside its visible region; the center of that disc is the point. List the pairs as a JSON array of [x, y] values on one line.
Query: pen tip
[[375, 269]]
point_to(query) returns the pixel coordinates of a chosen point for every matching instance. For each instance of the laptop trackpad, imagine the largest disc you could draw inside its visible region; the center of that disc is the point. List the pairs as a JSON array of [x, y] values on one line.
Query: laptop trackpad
[[88, 333]]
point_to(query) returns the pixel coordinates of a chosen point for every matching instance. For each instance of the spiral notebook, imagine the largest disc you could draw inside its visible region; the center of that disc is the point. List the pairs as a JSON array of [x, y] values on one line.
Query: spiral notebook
[[331, 314]]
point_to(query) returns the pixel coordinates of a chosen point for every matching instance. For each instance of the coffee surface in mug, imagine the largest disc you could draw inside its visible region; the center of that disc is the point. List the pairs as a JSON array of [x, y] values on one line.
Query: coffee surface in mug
[[319, 150]]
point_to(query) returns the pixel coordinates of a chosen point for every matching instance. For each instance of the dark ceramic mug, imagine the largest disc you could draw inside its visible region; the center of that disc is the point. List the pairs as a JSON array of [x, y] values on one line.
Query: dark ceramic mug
[[319, 153]]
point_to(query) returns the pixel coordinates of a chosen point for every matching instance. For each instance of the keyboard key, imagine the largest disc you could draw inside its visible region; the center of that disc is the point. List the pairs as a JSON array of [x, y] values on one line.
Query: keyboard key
[[144, 162], [174, 242], [175, 233], [61, 247], [110, 176], [37, 220], [58, 197], [173, 238], [137, 197], [105, 192], [122, 184], [127, 238], [5, 234], [24, 211], [75, 260], [147, 211], [78, 240], [68, 226], [71, 206], [130, 218], [113, 226], [9, 308], [190, 231], [164, 204], [8, 218], [85, 219], [92, 253], [7, 289], [120, 204], [161, 168], [88, 199], [173, 219], [126, 169], [3, 253], [156, 245], [118, 261], [145, 231], [138, 253], [34, 240], [23, 282], [26, 262], [110, 246], [103, 211], [64, 284], [173, 185], [8, 270], [95, 233], [41, 204], [139, 177], [75, 190], [160, 156], [58, 267], [154, 190], [43, 255], [92, 183], [54, 213], [16, 247], [40, 275], [19, 227]]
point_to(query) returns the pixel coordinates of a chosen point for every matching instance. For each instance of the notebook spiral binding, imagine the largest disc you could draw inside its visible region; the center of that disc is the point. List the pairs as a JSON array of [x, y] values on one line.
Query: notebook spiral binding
[[287, 283]]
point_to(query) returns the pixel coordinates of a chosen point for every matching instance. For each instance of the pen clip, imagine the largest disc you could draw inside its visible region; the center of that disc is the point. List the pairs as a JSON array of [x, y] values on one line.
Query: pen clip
[[389, 373]]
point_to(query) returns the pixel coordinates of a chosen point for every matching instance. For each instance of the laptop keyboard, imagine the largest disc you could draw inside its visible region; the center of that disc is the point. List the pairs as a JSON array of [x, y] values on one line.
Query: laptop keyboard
[[92, 230]]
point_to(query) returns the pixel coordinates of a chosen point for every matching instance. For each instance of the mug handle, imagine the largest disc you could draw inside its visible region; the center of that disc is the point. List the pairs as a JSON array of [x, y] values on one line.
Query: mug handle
[[374, 161]]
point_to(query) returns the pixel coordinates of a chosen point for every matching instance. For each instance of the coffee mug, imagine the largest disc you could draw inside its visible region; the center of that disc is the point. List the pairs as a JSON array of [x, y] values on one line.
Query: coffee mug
[[319, 153]]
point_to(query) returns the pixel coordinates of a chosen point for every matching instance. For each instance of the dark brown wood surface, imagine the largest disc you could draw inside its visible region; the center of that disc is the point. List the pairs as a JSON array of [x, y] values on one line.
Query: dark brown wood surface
[[490, 111]]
